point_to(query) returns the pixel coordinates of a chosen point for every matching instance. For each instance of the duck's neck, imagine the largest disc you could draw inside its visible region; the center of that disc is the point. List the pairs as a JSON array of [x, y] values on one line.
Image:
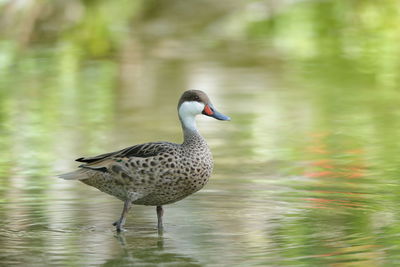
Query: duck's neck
[[187, 115], [190, 133]]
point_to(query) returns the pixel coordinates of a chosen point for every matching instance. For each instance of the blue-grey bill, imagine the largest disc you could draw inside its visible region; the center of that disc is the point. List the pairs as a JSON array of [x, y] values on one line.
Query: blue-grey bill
[[220, 116]]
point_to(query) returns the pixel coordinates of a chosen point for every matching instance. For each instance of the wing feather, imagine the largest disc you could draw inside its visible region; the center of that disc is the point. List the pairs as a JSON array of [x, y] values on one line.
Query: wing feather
[[105, 162], [139, 151]]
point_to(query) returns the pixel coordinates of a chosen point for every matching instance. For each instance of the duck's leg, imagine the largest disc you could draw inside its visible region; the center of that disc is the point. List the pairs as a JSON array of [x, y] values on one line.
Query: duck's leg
[[160, 213], [121, 222]]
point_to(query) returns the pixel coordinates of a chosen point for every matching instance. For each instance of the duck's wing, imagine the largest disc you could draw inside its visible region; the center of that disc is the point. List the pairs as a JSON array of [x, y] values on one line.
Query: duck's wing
[[107, 162], [96, 158], [116, 162], [139, 151]]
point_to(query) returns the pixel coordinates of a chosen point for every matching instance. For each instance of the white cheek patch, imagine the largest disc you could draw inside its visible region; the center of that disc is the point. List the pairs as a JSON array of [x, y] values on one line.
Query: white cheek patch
[[188, 111], [191, 108]]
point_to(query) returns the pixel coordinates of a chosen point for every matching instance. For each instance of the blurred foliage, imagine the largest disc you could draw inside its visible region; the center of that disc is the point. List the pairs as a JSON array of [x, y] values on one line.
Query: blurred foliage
[[96, 28], [359, 35], [356, 30]]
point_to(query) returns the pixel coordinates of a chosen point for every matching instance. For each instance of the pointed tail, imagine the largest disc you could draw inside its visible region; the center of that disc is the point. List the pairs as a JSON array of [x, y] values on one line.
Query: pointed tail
[[75, 175]]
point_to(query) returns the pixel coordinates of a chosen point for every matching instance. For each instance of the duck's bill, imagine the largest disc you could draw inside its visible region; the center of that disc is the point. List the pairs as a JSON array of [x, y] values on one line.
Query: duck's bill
[[211, 112], [220, 116]]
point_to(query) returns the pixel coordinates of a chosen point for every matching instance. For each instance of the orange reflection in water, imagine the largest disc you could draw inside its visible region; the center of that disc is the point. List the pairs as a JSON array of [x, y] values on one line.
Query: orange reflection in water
[[336, 172]]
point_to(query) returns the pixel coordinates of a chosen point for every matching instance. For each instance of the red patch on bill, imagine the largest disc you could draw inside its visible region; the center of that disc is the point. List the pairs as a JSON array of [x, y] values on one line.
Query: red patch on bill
[[207, 110]]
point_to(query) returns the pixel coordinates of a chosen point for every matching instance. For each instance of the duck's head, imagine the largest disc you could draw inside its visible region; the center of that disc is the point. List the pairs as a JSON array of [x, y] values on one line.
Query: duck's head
[[195, 102]]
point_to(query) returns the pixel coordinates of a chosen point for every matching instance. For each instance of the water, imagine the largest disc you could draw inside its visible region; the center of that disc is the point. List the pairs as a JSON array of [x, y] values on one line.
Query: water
[[306, 173]]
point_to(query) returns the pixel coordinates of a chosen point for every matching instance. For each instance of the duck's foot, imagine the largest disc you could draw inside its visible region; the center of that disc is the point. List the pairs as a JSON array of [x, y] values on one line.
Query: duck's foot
[[119, 226], [120, 229]]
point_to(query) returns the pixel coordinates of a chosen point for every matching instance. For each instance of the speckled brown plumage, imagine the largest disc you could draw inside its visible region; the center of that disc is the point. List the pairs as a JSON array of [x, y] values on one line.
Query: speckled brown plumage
[[161, 173], [156, 173]]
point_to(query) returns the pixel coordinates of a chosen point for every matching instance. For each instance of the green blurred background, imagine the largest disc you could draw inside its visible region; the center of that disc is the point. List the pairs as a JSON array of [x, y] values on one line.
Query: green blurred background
[[307, 172]]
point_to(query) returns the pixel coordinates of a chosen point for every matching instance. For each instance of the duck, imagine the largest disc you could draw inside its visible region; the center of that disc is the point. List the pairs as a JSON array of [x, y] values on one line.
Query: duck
[[155, 173]]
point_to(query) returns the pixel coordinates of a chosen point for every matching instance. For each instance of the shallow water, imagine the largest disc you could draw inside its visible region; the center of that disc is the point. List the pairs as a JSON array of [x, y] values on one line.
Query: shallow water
[[306, 173]]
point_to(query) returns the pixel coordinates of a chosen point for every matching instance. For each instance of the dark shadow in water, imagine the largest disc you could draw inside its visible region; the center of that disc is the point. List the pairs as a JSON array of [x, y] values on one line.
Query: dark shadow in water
[[122, 240], [150, 253]]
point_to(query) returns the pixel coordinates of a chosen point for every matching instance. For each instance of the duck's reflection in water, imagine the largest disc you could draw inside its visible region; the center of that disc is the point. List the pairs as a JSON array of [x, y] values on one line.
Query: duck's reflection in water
[[150, 251]]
